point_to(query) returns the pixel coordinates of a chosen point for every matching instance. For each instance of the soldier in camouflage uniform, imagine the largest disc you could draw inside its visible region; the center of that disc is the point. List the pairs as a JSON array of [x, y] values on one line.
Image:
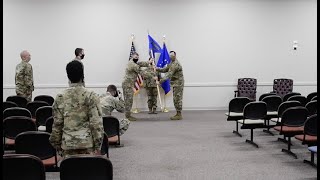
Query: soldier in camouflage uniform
[[77, 126], [79, 52], [24, 77], [151, 88], [131, 73], [113, 100], [175, 74]]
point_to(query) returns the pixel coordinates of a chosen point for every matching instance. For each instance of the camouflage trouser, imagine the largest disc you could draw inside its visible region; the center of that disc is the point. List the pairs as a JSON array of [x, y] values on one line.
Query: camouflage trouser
[[152, 97], [124, 125], [28, 96], [177, 97], [128, 98]]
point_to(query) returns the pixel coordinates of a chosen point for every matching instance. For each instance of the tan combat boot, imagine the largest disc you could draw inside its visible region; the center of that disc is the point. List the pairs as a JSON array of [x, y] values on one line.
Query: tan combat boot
[[154, 110], [129, 117], [178, 116], [150, 111]]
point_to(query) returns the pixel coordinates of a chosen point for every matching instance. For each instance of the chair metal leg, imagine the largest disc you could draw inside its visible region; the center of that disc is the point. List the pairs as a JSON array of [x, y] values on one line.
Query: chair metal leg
[[251, 141], [237, 130], [268, 128], [312, 160], [283, 140], [288, 151]]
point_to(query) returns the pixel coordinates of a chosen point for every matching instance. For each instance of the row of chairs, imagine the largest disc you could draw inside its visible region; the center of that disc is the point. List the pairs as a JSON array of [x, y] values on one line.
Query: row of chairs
[[84, 167], [22, 101], [291, 117]]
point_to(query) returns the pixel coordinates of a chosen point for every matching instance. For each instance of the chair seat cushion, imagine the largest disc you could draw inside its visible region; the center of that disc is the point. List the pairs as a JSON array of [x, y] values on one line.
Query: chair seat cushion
[[42, 128], [113, 139], [275, 119], [313, 149], [289, 129], [51, 161], [234, 114], [308, 138], [250, 121], [272, 113]]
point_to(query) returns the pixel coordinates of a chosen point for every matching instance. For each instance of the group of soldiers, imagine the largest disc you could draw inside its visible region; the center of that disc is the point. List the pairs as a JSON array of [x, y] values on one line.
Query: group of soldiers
[[77, 111]]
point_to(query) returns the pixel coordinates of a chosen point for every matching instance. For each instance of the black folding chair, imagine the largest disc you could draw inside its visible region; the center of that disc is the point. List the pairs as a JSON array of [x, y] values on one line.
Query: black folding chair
[[301, 99], [273, 102], [16, 111], [42, 114], [265, 95], [290, 94], [37, 143], [235, 113], [86, 167], [8, 104], [254, 114], [311, 95], [111, 127], [312, 107], [19, 100], [49, 123], [34, 105], [45, 98], [22, 167]]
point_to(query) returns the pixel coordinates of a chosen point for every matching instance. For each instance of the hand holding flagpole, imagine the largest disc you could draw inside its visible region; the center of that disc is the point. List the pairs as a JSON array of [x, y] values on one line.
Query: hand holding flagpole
[[154, 69]]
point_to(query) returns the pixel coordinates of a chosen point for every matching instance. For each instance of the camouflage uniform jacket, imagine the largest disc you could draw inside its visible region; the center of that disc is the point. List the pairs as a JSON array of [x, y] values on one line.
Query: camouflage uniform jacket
[[148, 77], [24, 78], [109, 103], [174, 73], [132, 71], [77, 119]]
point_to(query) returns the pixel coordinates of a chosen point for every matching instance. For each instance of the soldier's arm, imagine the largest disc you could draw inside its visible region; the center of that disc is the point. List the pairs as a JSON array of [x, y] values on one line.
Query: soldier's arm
[[29, 77], [95, 120], [57, 126], [163, 70], [168, 75], [143, 64], [118, 104]]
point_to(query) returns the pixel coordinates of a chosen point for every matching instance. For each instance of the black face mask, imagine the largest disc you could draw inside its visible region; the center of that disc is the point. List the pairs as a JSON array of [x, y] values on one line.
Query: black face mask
[[135, 60], [82, 56]]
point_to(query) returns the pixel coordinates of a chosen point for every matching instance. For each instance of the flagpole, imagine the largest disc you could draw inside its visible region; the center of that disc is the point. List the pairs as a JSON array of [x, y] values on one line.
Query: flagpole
[[165, 109], [154, 69], [135, 110]]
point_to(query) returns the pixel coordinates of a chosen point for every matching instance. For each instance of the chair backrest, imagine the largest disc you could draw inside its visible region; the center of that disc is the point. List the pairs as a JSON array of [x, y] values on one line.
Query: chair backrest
[[16, 111], [42, 114], [310, 126], [314, 98], [311, 95], [45, 98], [247, 88], [312, 107], [49, 123], [273, 102], [282, 86], [111, 126], [85, 167], [8, 104], [22, 166], [255, 110], [237, 104], [287, 96], [301, 99], [14, 125], [285, 105], [34, 105], [294, 116], [265, 95], [35, 143], [19, 100]]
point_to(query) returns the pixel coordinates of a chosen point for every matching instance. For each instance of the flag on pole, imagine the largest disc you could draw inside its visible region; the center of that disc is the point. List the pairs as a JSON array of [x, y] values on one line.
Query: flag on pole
[[139, 81], [163, 61], [154, 47]]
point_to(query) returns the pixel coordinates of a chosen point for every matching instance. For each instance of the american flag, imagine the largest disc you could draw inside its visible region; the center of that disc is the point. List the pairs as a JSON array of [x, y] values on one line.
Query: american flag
[[139, 81]]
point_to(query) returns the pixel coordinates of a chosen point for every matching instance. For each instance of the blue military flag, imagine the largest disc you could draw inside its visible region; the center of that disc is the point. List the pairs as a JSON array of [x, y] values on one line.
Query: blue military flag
[[163, 61]]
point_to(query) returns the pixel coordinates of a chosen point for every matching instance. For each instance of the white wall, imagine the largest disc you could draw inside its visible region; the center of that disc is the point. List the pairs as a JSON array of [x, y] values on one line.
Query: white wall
[[216, 41]]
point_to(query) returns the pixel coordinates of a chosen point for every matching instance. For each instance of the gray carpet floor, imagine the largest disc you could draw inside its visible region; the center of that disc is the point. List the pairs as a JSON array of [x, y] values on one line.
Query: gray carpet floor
[[202, 146]]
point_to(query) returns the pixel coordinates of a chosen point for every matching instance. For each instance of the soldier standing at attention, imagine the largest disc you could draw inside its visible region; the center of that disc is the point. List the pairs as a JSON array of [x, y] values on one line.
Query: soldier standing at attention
[[77, 127], [151, 88], [24, 76], [79, 52], [174, 72], [112, 100], [131, 73]]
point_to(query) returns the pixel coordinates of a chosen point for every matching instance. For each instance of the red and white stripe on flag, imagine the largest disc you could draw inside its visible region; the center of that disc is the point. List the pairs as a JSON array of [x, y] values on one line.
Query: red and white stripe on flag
[[138, 84]]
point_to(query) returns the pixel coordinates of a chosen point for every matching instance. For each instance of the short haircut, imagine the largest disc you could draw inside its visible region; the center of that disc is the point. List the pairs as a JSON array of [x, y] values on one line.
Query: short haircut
[[135, 53], [173, 52], [75, 71], [111, 88], [78, 51]]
